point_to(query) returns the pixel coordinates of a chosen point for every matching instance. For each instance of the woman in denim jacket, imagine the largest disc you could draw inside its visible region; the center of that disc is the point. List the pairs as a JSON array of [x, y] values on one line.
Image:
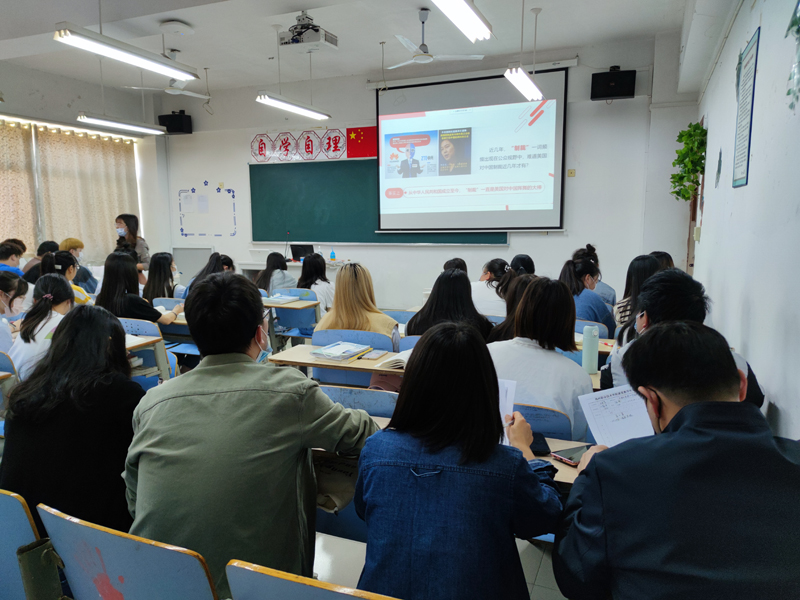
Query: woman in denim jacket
[[442, 499]]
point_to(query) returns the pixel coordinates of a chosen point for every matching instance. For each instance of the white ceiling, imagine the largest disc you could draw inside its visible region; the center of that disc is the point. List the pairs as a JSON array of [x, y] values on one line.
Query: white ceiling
[[234, 38]]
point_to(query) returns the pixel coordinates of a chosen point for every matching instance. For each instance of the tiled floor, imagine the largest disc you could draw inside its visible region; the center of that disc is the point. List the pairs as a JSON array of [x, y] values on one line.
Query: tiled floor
[[340, 561]]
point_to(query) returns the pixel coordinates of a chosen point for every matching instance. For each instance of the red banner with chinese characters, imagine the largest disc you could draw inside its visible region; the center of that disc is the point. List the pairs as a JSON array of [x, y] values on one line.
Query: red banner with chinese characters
[[314, 145]]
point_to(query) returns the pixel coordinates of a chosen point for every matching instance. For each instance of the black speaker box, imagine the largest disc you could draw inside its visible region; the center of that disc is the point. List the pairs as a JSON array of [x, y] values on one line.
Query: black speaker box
[[613, 85], [177, 122]]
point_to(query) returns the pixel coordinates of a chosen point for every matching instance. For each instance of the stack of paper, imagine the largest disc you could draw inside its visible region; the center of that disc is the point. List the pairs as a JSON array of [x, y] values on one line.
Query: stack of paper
[[341, 351], [397, 362], [616, 415], [281, 299]]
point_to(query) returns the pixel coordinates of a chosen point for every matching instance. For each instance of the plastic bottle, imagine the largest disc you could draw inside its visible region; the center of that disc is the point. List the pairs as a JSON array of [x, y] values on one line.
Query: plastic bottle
[[333, 254], [591, 343]]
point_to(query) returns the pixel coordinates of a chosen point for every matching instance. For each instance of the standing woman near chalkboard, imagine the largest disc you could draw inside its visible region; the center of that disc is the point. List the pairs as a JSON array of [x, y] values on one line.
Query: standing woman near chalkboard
[[128, 232]]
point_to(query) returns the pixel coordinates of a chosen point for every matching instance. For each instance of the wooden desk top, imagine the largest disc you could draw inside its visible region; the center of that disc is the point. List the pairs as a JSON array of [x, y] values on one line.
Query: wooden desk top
[[595, 381], [604, 347], [5, 375], [180, 320], [142, 342], [566, 474], [300, 356], [297, 304]]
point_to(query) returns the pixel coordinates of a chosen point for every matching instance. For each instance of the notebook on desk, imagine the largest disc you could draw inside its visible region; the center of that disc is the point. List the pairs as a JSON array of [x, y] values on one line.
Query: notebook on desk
[[281, 299]]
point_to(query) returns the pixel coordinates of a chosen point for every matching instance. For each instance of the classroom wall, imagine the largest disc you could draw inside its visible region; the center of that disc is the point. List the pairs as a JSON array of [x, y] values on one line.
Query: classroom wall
[[608, 144], [747, 253]]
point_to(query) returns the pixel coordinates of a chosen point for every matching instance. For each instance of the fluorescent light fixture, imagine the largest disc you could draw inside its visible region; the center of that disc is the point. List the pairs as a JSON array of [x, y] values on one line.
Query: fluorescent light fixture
[[523, 82], [299, 108], [112, 123], [78, 37], [465, 15]]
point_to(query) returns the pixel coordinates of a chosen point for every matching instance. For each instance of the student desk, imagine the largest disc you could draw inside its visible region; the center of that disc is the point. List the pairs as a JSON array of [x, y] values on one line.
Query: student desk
[[300, 356], [5, 375], [296, 305], [143, 342], [604, 347]]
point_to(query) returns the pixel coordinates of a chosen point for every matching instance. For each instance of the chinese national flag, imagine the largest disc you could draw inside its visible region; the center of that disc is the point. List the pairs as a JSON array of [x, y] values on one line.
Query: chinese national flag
[[362, 142]]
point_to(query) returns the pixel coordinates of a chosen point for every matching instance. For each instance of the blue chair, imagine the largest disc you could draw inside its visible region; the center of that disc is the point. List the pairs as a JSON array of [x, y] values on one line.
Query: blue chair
[[377, 403], [176, 334], [132, 566], [264, 293], [580, 324], [345, 524], [15, 317], [401, 316], [549, 422], [6, 364], [377, 341], [576, 356], [253, 582], [496, 319], [17, 530], [148, 355], [295, 323], [408, 342]]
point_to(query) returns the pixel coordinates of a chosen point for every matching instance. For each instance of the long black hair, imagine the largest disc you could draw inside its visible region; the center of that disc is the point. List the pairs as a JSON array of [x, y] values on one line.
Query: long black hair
[[639, 270], [132, 223], [87, 349], [523, 264], [275, 262], [500, 275], [505, 330], [664, 259], [227, 261], [120, 277], [51, 290], [574, 271], [461, 409], [159, 278], [58, 262], [313, 270], [450, 300], [13, 286]]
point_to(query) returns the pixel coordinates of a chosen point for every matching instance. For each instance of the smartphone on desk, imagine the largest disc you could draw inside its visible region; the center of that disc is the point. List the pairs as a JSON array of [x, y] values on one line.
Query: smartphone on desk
[[570, 456], [539, 446]]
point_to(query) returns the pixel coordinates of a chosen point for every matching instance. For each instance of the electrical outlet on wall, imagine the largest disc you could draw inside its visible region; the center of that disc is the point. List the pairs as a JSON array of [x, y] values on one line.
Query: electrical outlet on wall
[[570, 172]]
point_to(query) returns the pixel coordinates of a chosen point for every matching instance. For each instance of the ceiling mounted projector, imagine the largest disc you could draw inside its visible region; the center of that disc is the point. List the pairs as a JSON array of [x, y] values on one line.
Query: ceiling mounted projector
[[305, 36]]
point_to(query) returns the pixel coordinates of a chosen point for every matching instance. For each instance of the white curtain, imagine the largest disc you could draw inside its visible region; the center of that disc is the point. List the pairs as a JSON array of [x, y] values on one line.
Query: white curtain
[[85, 182], [17, 192]]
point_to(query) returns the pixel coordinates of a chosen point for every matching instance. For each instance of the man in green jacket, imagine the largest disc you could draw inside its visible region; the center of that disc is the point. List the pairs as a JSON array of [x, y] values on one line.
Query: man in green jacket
[[220, 461]]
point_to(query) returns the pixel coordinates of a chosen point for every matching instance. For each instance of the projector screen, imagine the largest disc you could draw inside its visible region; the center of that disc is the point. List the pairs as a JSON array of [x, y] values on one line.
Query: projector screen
[[469, 156]]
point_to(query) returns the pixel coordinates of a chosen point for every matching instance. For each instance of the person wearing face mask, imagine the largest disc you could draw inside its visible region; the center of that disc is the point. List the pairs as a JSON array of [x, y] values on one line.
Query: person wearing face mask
[[706, 508], [10, 255], [162, 278], [581, 276], [64, 263], [84, 277], [13, 291], [264, 486], [127, 227]]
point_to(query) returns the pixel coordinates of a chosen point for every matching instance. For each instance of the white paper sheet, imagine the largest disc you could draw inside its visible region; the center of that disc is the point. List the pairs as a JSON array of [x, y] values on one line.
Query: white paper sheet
[[508, 390], [187, 203], [616, 415], [202, 205]]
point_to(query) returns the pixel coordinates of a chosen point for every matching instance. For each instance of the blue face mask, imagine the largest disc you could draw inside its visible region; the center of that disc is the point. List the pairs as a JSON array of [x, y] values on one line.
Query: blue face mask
[[120, 231], [265, 352]]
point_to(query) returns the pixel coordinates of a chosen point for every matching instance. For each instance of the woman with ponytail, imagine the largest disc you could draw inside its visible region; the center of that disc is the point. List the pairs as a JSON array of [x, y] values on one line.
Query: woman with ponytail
[[488, 292], [64, 263], [52, 299], [606, 292], [581, 277]]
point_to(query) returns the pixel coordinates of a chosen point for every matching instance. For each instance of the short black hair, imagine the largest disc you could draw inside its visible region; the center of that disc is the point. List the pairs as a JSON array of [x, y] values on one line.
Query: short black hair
[[455, 263], [461, 409], [664, 259], [18, 242], [546, 313], [672, 295], [223, 312], [9, 249], [523, 265], [46, 247], [688, 361]]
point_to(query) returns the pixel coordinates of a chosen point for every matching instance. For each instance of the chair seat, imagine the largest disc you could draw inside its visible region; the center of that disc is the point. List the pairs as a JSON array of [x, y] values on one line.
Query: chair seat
[[294, 332], [190, 349]]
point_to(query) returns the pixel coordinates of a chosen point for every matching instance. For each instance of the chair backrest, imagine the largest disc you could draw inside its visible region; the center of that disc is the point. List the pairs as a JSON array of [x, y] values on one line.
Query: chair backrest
[[401, 316], [580, 324], [575, 356], [16, 317], [377, 403], [93, 297], [264, 293], [168, 303], [291, 317], [549, 422], [301, 293], [16, 529], [496, 319], [103, 563], [6, 364], [378, 341], [408, 342], [140, 327], [253, 582]]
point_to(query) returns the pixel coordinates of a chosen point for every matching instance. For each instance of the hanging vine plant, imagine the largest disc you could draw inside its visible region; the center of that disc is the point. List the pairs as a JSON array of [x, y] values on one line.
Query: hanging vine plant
[[691, 162]]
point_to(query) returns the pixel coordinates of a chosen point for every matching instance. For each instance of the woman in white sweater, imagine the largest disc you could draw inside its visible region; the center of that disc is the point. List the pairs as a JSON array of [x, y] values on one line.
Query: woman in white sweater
[[545, 320], [313, 277]]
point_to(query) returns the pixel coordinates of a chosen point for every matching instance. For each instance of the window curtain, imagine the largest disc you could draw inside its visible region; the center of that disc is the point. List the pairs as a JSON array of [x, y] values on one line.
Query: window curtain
[[85, 182], [17, 191]]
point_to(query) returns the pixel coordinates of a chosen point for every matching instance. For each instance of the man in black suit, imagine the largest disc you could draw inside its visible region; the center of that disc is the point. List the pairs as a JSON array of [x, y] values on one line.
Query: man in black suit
[[705, 510], [410, 166]]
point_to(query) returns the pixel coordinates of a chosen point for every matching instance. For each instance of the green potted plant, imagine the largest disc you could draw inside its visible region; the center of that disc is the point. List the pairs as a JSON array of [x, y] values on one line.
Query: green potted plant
[[691, 162]]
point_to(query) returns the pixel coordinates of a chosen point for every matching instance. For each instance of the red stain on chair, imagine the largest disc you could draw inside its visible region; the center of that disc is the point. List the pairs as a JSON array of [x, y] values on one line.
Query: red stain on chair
[[103, 583]]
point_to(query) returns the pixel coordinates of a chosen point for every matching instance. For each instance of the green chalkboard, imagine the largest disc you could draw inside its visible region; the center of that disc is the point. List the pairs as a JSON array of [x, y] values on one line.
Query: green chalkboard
[[331, 201]]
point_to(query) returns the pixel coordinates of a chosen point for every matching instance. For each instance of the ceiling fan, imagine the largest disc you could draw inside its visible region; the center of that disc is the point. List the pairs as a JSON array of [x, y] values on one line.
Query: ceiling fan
[[421, 54], [175, 87]]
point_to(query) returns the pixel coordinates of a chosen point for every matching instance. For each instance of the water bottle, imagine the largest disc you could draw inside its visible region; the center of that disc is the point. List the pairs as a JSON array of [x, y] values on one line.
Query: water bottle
[[591, 343], [333, 254]]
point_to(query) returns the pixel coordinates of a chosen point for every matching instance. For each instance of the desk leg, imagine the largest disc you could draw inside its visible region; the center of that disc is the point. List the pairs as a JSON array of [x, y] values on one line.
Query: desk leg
[[162, 362], [273, 338]]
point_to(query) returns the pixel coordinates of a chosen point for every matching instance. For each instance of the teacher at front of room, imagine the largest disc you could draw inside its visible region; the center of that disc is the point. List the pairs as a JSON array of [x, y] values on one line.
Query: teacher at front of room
[[128, 232]]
